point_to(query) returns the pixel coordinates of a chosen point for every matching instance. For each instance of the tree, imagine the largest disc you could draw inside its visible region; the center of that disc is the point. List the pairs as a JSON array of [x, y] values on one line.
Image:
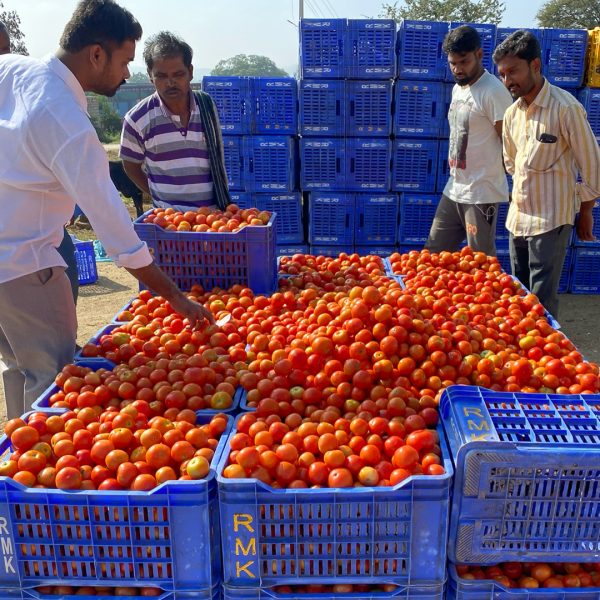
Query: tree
[[569, 14], [470, 11], [13, 23], [107, 122], [249, 65], [139, 77]]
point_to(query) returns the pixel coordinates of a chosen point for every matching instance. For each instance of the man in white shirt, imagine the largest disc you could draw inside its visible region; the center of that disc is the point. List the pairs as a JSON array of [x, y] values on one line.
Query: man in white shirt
[[51, 159], [477, 184]]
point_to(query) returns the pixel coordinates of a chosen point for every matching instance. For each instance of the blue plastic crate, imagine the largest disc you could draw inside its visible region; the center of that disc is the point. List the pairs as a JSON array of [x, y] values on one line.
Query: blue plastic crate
[[445, 129], [527, 476], [501, 231], [416, 216], [419, 108], [322, 107], [368, 108], [565, 275], [242, 199], [487, 33], [271, 163], [435, 592], [232, 98], [331, 218], [289, 223], [291, 249], [356, 535], [585, 275], [322, 164], [85, 258], [376, 219], [275, 100], [368, 164], [466, 589], [233, 150], [381, 251], [167, 537], [419, 50], [443, 172], [322, 48], [214, 259], [370, 51], [33, 594], [590, 98], [563, 56], [330, 250], [414, 163]]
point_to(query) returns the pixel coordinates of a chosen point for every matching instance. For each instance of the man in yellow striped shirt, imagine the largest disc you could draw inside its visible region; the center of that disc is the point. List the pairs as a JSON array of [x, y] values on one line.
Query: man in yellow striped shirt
[[546, 141]]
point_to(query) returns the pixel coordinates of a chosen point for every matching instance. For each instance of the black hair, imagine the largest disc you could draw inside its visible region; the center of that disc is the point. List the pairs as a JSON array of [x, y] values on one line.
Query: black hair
[[522, 44], [462, 39], [101, 22], [166, 45]]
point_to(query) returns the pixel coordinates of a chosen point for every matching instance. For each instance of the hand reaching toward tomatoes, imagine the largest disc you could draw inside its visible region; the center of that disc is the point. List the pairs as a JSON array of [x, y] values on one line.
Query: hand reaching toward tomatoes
[[197, 315]]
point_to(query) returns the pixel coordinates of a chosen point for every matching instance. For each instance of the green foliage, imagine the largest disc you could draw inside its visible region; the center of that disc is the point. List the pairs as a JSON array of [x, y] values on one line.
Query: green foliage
[[248, 65], [569, 14], [139, 78], [13, 23], [471, 11], [108, 122]]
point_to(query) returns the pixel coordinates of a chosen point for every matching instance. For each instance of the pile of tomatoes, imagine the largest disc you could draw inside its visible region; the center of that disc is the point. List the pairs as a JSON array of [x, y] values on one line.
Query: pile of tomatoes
[[207, 219], [103, 443], [536, 575], [89, 590]]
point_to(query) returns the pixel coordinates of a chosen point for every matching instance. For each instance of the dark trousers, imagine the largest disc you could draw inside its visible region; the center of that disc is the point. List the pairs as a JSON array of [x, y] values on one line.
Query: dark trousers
[[537, 262], [67, 251], [455, 221]]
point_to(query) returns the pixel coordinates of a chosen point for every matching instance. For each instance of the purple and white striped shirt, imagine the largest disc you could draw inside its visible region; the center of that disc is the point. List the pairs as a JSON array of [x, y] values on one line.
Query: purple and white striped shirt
[[176, 158]]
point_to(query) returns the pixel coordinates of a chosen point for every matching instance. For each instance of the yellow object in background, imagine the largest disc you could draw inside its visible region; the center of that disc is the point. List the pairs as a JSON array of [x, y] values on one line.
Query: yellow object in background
[[592, 78]]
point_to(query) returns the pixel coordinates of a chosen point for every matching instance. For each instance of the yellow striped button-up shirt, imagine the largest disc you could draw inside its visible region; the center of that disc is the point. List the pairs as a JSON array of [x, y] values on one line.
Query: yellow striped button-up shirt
[[544, 172]]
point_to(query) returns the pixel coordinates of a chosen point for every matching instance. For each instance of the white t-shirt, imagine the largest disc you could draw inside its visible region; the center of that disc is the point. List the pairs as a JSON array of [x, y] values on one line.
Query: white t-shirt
[[475, 150]]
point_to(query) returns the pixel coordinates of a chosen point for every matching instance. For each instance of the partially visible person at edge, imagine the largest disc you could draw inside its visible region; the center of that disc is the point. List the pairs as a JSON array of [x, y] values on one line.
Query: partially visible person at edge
[[547, 141], [171, 142], [51, 158], [4, 39], [477, 184]]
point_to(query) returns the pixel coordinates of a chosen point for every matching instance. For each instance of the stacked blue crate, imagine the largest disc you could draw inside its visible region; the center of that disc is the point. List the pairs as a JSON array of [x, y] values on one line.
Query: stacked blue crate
[[563, 56], [443, 172], [377, 219], [414, 162], [275, 101], [322, 107], [416, 215], [231, 96], [271, 163], [419, 50], [368, 108], [233, 150], [322, 48], [322, 164], [370, 49], [419, 108], [331, 219], [367, 164], [289, 222], [590, 98]]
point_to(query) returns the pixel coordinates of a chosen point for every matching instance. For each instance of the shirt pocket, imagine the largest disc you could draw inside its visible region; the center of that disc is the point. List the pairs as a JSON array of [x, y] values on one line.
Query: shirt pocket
[[542, 156]]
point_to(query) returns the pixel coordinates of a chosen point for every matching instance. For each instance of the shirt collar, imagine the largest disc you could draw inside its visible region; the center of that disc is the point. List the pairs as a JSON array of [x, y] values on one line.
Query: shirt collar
[[60, 69], [542, 98], [167, 113]]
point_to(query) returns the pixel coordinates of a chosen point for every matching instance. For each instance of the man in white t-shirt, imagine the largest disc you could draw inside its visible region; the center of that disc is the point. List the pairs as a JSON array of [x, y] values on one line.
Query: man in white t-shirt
[[477, 184]]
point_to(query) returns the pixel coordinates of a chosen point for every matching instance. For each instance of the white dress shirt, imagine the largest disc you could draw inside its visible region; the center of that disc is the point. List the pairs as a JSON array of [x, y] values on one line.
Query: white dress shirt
[[50, 160]]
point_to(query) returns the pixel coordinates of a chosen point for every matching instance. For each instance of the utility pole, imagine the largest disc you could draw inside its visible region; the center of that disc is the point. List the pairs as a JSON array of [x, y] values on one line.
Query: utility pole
[[300, 9]]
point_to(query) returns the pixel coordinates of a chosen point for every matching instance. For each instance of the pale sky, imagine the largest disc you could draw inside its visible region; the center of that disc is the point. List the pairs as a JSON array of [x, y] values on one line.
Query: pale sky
[[218, 29]]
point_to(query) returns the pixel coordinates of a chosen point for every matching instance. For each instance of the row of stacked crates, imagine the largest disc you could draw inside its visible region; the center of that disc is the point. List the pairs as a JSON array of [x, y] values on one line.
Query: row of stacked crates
[[372, 49]]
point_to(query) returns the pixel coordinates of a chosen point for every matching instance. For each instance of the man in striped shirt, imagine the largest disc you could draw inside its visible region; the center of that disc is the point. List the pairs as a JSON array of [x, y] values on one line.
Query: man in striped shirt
[[171, 142], [546, 141]]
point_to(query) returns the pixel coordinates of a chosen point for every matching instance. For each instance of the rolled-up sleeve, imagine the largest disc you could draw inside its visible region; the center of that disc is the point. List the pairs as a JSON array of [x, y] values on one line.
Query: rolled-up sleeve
[[585, 150], [81, 166]]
